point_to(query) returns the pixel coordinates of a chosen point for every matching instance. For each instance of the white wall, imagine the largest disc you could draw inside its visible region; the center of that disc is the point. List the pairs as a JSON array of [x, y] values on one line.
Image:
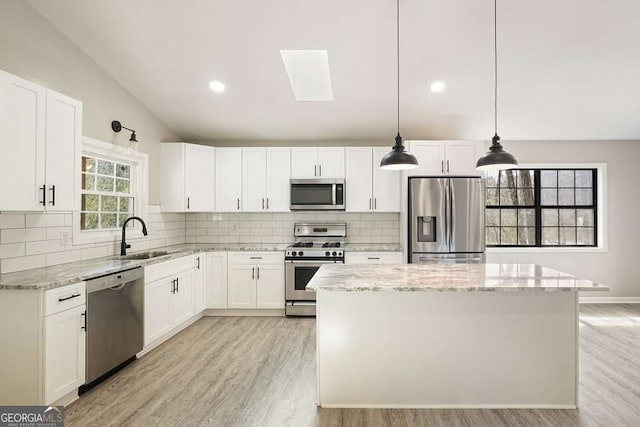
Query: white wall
[[619, 267], [32, 48]]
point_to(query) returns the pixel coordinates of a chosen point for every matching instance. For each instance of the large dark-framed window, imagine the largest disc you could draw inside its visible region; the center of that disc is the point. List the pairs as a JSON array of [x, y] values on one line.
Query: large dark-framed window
[[542, 207]]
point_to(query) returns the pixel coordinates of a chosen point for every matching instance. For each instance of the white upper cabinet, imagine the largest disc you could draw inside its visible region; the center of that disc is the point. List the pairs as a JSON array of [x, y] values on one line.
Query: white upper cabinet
[[445, 157], [254, 185], [187, 177], [228, 179], [39, 147], [278, 177], [369, 188], [317, 162]]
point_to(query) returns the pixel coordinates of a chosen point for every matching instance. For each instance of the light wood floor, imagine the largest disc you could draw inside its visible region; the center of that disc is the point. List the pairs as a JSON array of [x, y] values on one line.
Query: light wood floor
[[233, 371]]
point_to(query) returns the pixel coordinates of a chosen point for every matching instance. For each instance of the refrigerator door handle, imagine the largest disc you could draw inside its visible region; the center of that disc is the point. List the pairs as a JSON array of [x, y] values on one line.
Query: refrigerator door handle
[[447, 189], [451, 216]]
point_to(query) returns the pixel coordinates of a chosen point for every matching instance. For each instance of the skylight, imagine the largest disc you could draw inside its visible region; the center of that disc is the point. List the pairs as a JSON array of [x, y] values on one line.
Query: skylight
[[309, 75]]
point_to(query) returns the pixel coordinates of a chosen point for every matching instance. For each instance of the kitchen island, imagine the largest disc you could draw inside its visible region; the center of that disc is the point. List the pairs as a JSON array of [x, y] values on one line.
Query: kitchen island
[[447, 335]]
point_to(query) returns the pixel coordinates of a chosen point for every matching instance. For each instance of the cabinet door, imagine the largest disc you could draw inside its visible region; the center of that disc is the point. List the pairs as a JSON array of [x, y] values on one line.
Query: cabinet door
[[22, 146], [270, 286], [359, 181], [64, 353], [172, 177], [430, 155], [182, 300], [278, 177], [304, 162], [254, 172], [216, 278], [228, 179], [157, 310], [63, 150], [199, 178], [461, 157], [199, 283], [331, 162], [386, 185], [241, 287]]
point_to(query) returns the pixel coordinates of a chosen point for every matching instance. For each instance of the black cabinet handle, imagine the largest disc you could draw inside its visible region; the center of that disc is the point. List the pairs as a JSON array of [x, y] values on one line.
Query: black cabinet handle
[[53, 195], [173, 286], [258, 268], [267, 203], [188, 202], [177, 284], [198, 263], [373, 257], [84, 326], [44, 195], [263, 203], [320, 169], [238, 203], [253, 273], [68, 298]]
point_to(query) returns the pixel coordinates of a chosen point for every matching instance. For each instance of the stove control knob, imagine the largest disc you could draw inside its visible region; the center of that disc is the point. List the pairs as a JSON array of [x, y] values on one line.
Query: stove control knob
[[293, 253], [339, 253], [334, 253], [300, 253], [327, 253]]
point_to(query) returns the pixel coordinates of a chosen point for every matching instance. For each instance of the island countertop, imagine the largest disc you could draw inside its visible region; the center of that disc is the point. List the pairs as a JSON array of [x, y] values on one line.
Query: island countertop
[[447, 277]]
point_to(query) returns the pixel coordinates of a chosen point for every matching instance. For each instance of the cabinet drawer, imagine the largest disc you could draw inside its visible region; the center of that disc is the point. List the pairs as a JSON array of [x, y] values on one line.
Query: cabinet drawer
[[168, 268], [373, 258], [256, 258], [66, 297]]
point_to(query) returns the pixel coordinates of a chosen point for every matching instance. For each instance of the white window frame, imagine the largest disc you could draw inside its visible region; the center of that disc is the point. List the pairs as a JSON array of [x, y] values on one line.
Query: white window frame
[[602, 211], [140, 178]]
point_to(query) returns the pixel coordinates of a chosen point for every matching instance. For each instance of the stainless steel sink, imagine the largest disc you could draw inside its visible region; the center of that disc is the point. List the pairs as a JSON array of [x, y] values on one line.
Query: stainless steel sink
[[145, 255]]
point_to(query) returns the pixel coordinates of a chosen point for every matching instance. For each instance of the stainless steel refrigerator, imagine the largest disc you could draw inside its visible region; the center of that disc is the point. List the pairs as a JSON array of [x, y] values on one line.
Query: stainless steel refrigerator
[[446, 220]]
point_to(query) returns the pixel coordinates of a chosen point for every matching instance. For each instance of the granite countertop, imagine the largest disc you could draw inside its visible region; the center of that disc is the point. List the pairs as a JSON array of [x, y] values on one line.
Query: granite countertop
[[447, 277], [65, 274], [373, 247]]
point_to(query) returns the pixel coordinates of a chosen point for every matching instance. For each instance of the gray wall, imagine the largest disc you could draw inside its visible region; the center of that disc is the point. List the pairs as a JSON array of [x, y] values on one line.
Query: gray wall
[[32, 48], [618, 268]]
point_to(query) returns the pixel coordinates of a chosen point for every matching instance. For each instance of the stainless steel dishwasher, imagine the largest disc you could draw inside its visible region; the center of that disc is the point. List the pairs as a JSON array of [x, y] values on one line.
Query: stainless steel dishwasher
[[115, 322]]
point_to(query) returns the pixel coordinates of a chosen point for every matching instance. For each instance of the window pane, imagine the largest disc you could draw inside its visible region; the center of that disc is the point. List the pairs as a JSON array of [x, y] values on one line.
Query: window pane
[[492, 217], [88, 182], [584, 217], [526, 218], [126, 204], [584, 178], [123, 171], [526, 197], [567, 236], [508, 197], [89, 203], [492, 236], [565, 179], [105, 184], [567, 217], [526, 236], [491, 179], [549, 235], [88, 221], [122, 218], [585, 236], [88, 165], [508, 178], [525, 179], [122, 185], [584, 196], [565, 196], [105, 167], [108, 220], [508, 236], [548, 179], [491, 197], [109, 204], [550, 217], [549, 197], [508, 217]]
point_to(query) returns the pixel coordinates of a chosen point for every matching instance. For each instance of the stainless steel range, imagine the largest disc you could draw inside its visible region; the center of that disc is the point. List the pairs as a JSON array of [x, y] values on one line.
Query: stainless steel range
[[317, 244]]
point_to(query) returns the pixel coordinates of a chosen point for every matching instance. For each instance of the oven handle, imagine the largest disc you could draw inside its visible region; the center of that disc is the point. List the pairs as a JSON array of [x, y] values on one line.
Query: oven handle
[[301, 261]]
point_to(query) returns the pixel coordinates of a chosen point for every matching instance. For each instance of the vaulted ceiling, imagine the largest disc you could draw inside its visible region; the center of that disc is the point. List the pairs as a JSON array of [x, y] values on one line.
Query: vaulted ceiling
[[568, 69]]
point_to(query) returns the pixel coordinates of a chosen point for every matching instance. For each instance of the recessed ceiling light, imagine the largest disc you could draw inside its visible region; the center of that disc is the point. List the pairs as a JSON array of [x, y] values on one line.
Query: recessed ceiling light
[[437, 87], [308, 72], [217, 86]]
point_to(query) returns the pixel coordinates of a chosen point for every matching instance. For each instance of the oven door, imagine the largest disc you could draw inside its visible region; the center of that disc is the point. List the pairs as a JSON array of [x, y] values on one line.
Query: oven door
[[297, 275]]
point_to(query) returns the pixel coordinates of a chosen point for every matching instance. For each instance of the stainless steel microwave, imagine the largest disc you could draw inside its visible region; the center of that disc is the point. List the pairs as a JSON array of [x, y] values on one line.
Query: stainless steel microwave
[[317, 194]]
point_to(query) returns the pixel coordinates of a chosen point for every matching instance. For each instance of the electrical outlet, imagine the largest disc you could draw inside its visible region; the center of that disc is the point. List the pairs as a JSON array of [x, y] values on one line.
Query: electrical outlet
[[234, 227], [65, 238]]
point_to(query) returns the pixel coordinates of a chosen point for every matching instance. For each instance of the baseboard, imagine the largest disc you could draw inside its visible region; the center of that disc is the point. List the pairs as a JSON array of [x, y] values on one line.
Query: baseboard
[[452, 406], [67, 399], [235, 312], [174, 331], [609, 300]]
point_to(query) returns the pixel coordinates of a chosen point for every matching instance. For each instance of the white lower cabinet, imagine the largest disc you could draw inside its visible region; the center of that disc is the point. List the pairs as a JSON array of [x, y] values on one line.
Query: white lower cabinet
[[216, 280], [182, 302], [255, 280], [157, 309], [373, 258], [64, 360]]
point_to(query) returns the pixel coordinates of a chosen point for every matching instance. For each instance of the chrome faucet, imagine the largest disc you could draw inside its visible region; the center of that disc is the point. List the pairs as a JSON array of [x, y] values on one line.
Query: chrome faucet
[[123, 245]]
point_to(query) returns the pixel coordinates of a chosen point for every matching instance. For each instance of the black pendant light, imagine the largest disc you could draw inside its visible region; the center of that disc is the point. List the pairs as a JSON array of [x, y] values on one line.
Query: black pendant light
[[398, 158], [496, 158]]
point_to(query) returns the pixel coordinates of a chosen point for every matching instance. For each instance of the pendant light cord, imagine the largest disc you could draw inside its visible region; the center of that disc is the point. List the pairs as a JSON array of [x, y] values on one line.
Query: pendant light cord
[[495, 64], [398, 58]]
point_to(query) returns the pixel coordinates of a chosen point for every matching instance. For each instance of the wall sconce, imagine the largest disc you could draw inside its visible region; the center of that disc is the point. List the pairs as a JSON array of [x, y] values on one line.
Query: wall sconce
[[133, 142]]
